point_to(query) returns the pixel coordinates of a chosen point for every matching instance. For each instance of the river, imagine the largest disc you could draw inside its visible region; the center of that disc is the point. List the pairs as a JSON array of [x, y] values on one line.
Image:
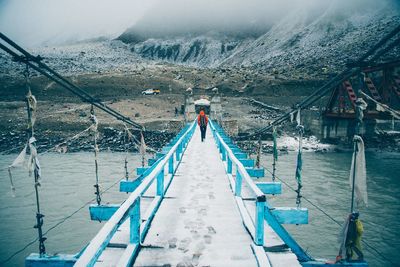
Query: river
[[68, 179]]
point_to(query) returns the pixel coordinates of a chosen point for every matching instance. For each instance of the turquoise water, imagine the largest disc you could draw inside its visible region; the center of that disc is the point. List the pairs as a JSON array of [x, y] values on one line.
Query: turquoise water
[[326, 184], [68, 184]]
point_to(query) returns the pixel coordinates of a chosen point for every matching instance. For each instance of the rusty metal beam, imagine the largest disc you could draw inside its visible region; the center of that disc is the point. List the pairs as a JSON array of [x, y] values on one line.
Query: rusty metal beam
[[381, 66]]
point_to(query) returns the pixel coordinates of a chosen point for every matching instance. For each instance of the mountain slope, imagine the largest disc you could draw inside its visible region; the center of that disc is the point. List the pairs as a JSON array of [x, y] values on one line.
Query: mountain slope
[[303, 40]]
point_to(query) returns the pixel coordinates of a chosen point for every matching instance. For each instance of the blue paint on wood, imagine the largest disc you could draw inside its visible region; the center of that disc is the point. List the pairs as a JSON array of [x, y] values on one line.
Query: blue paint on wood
[[129, 255], [259, 223], [240, 155], [229, 166], [330, 264], [235, 149], [151, 161], [166, 149], [148, 216], [287, 215], [141, 170], [256, 172], [223, 154], [159, 155], [247, 162], [228, 141], [129, 186], [238, 184], [272, 188], [302, 256], [134, 214], [102, 212], [59, 260], [160, 183], [178, 152], [171, 165], [99, 243]]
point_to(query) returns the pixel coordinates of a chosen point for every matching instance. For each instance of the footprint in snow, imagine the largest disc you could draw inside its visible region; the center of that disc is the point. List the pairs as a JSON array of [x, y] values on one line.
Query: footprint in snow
[[195, 258], [207, 239], [172, 242], [184, 243], [211, 230], [195, 234]]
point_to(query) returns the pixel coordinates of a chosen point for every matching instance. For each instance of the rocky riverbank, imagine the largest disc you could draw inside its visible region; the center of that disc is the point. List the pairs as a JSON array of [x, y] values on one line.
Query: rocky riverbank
[[110, 139]]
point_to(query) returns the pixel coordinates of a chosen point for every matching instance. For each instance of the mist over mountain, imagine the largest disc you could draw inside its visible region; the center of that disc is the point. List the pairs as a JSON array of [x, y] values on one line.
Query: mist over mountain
[[58, 22], [260, 33]]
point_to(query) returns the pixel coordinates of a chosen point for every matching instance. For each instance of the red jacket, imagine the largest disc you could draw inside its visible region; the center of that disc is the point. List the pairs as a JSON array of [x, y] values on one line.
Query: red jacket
[[202, 119]]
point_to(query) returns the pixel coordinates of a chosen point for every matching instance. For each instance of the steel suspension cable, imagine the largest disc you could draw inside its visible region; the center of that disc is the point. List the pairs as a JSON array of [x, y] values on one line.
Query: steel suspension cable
[[60, 222], [350, 71], [331, 218], [42, 68]]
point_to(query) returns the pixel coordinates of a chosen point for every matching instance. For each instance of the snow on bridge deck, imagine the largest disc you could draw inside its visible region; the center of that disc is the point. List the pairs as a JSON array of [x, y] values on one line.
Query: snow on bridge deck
[[198, 222]]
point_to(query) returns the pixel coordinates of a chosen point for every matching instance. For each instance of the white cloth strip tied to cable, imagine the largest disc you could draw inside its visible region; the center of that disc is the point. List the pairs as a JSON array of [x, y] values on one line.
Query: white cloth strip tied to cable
[[33, 163], [58, 148], [19, 161], [298, 116], [291, 114], [32, 105], [360, 185], [138, 144], [382, 107]]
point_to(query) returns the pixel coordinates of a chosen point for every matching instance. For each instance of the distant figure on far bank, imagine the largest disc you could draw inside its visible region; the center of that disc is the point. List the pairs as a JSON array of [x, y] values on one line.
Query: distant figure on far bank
[[202, 121]]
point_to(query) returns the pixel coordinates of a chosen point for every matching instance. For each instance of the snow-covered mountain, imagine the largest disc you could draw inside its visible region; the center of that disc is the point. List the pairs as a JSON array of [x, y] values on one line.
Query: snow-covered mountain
[[208, 50], [303, 39]]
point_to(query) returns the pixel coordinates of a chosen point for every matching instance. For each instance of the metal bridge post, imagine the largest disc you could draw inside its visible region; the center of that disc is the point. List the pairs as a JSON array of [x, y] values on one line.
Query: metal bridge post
[[259, 221], [134, 237], [238, 184], [171, 165], [229, 165], [160, 183]]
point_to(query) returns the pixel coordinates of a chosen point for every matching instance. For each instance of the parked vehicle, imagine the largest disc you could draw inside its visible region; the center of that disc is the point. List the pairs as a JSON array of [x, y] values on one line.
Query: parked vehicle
[[151, 92]]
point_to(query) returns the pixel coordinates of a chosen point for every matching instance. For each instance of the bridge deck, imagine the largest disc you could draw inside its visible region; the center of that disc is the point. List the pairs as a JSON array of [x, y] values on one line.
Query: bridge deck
[[198, 223]]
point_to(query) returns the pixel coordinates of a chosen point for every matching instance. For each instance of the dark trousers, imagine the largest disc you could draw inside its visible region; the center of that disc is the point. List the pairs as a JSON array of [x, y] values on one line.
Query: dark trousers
[[203, 130]]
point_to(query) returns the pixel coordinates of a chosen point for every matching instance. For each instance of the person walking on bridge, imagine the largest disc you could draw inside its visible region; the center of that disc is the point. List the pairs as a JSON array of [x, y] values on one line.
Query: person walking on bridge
[[202, 121]]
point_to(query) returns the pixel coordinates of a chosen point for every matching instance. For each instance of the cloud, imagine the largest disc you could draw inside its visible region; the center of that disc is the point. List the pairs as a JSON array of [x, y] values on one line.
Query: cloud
[[252, 17], [39, 22]]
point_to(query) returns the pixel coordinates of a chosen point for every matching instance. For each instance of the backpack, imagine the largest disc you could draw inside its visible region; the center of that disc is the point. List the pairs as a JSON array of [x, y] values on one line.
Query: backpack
[[203, 121]]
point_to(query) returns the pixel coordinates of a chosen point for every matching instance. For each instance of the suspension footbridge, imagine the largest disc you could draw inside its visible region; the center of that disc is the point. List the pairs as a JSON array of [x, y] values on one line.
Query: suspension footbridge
[[196, 203]]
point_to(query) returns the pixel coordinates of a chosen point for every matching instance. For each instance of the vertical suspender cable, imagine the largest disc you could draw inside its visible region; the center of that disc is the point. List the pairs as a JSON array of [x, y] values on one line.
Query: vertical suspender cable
[[34, 166], [274, 153], [259, 152], [142, 148], [299, 167], [95, 123]]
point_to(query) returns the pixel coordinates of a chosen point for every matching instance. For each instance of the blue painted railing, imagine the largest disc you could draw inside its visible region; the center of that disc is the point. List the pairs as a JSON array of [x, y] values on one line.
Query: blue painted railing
[[241, 176], [263, 210], [142, 172], [131, 208]]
